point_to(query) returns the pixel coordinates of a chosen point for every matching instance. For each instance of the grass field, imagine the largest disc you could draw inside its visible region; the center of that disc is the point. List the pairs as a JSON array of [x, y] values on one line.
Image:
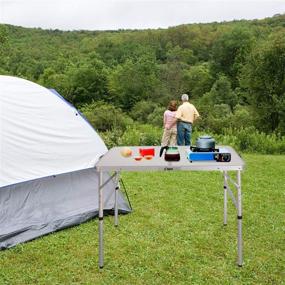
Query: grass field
[[175, 235]]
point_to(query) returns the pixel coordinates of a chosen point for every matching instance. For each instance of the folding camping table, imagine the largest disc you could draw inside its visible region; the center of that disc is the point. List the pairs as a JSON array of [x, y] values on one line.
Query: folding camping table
[[114, 162]]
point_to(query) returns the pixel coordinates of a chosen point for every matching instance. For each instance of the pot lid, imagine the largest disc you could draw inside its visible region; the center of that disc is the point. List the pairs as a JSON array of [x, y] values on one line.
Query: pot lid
[[205, 137]]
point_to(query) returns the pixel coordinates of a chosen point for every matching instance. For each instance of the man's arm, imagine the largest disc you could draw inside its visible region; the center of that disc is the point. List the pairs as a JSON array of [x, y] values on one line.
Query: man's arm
[[196, 114], [178, 113]]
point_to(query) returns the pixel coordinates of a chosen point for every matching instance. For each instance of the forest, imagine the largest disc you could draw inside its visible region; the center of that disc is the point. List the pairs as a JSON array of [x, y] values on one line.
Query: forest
[[122, 81]]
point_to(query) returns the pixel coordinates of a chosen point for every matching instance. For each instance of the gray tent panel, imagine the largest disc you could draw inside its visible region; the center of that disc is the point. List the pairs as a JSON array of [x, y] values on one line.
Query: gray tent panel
[[35, 208]]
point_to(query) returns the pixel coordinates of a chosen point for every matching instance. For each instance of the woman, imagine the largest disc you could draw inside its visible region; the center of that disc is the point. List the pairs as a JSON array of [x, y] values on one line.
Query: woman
[[169, 124]]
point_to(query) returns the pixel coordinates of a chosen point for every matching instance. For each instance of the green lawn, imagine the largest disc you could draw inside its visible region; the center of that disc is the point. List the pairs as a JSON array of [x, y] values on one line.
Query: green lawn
[[175, 235]]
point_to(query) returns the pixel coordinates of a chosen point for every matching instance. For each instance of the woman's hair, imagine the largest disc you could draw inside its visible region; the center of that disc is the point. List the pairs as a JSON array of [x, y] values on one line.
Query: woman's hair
[[172, 105]]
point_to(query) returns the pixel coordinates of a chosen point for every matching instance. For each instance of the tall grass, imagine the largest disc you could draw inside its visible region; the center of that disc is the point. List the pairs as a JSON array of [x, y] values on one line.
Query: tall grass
[[247, 140]]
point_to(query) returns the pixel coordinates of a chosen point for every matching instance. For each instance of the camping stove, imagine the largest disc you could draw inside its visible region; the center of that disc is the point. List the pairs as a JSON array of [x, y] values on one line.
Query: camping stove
[[200, 149], [208, 154]]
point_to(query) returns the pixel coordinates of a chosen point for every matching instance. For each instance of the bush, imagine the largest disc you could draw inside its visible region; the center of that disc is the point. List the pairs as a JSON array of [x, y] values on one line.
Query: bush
[[242, 117], [117, 129], [245, 139], [142, 135], [134, 134], [112, 138], [142, 110], [219, 117], [106, 117], [156, 117], [215, 118], [251, 140]]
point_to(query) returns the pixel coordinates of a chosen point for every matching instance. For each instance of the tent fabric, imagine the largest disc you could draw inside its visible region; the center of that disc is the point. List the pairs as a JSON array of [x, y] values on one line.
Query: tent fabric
[[47, 156], [41, 135], [34, 208]]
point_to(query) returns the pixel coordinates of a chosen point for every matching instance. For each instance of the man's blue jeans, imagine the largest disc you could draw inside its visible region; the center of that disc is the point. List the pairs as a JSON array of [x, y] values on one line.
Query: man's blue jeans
[[184, 131]]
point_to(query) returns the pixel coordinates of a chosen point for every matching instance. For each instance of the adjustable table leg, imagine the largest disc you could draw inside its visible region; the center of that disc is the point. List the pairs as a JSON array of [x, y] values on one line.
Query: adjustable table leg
[[101, 217], [239, 218], [225, 197]]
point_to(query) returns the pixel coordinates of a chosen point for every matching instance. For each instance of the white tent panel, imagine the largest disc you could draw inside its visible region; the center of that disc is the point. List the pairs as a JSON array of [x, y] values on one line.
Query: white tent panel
[[47, 156], [41, 134]]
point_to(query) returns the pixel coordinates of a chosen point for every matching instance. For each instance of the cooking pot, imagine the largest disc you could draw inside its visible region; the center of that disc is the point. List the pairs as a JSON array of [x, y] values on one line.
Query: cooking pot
[[205, 142]]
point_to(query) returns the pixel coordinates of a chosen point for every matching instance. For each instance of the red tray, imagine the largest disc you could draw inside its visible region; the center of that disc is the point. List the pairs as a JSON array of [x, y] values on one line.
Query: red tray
[[146, 151]]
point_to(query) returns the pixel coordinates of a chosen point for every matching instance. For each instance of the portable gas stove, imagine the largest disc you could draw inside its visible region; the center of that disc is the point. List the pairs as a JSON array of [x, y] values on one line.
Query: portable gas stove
[[208, 154]]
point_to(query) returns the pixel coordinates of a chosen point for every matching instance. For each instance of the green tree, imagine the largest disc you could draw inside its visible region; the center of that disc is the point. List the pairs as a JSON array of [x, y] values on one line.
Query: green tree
[[88, 81], [58, 81], [133, 81], [264, 78], [3, 38], [173, 81], [221, 92], [198, 80], [182, 55], [230, 51], [4, 50]]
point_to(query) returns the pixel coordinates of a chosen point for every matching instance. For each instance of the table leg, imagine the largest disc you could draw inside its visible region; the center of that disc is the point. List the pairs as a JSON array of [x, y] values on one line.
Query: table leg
[[116, 199], [239, 218], [101, 218], [225, 198]]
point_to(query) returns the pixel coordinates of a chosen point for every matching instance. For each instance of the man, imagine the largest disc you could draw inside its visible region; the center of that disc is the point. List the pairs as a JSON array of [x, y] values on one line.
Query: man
[[185, 115]]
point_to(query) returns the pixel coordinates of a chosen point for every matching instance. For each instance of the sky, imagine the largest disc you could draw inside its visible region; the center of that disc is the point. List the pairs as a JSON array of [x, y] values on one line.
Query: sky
[[131, 14]]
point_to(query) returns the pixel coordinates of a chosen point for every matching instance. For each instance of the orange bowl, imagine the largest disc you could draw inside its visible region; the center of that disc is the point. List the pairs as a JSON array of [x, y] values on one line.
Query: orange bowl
[[148, 157]]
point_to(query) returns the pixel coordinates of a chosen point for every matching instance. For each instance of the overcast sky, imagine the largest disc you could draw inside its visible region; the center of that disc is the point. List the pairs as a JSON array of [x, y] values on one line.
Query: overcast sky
[[131, 14]]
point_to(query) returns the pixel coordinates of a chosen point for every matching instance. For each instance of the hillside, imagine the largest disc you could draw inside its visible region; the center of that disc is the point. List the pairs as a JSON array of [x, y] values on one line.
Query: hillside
[[233, 71]]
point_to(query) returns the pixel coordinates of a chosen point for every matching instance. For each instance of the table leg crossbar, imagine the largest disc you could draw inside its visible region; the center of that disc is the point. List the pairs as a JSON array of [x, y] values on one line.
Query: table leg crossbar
[[117, 188], [107, 181], [228, 189]]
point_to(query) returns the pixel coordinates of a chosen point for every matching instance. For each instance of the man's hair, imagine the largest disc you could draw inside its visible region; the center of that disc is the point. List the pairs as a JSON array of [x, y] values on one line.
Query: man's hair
[[184, 97]]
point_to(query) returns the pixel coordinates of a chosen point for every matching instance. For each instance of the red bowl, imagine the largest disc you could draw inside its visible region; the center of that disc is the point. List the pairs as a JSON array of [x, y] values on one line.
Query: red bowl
[[138, 158]]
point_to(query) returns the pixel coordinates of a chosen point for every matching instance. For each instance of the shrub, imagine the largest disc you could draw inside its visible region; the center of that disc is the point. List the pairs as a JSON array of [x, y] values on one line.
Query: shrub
[[251, 140], [246, 140], [106, 117], [142, 110], [134, 134], [142, 135], [242, 117], [219, 117], [156, 117], [112, 137]]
